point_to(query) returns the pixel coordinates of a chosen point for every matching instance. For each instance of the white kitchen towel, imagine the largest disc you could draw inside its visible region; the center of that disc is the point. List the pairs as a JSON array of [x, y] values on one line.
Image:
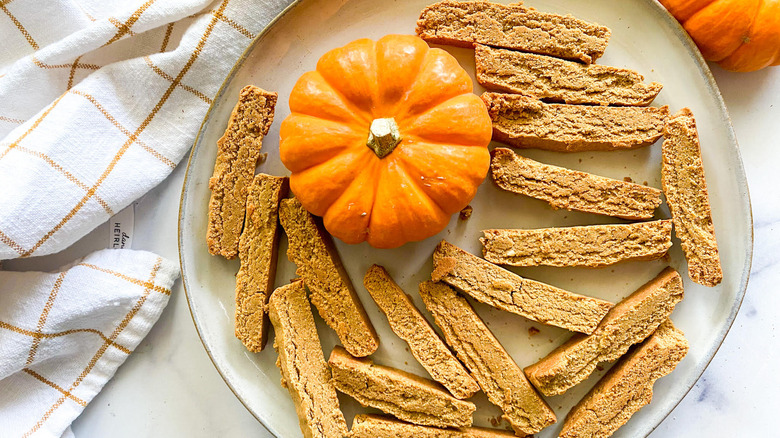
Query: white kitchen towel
[[63, 335], [99, 101]]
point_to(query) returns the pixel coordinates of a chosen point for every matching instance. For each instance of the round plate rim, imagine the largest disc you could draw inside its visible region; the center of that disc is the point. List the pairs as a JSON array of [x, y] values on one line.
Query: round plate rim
[[712, 86]]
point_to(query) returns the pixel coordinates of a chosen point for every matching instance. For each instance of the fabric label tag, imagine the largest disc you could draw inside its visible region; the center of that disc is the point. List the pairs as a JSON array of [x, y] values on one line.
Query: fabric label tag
[[120, 230]]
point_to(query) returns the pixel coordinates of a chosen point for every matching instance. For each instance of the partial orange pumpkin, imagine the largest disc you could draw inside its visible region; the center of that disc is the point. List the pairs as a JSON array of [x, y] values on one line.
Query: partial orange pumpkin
[[385, 140], [740, 35]]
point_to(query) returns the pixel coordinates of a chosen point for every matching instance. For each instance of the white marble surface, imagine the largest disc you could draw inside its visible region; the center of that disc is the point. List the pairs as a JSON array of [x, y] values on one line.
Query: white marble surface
[[169, 388]]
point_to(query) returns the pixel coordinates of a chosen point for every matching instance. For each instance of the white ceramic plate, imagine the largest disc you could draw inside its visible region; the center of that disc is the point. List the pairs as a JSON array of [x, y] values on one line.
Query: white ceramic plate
[[644, 38]]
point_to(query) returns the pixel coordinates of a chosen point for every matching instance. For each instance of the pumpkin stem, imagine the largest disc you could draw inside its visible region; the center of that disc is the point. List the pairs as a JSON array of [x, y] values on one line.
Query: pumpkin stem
[[383, 136]]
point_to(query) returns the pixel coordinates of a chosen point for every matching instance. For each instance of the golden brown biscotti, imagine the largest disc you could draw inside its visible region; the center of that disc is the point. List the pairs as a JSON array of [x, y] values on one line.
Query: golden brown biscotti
[[505, 290], [572, 189], [682, 178], [410, 325], [237, 153], [593, 246], [499, 376], [631, 321], [311, 249], [558, 80], [403, 395], [302, 363], [627, 387], [525, 122], [513, 27], [380, 426], [257, 250]]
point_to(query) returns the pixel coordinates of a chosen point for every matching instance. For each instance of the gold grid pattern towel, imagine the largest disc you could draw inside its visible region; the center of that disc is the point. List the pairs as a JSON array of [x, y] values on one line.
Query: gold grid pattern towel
[[63, 335], [99, 101]]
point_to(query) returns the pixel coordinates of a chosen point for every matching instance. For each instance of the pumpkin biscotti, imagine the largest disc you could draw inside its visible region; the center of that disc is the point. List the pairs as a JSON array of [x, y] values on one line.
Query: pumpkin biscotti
[[257, 250], [237, 153], [380, 426], [495, 286], [525, 122], [627, 387], [631, 321], [331, 291], [513, 27], [302, 363], [682, 176], [572, 189], [411, 326], [558, 80], [401, 394], [499, 376], [593, 246]]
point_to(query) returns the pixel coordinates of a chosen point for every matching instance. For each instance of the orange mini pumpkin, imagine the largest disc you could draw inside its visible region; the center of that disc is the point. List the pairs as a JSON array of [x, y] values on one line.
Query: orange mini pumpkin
[[740, 35], [385, 140]]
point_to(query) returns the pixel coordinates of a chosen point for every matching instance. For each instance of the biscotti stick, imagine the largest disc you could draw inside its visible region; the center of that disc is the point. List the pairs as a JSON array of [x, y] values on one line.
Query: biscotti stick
[[302, 363], [403, 395], [513, 27], [311, 249], [572, 189], [558, 80], [627, 386], [593, 246], [380, 426], [495, 286], [682, 176], [237, 153], [257, 250], [409, 324], [525, 122], [499, 376], [628, 323]]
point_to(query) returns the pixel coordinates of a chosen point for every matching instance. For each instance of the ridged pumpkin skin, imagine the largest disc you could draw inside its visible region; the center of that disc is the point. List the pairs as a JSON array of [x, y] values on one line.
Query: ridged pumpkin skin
[[433, 172], [740, 35]]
